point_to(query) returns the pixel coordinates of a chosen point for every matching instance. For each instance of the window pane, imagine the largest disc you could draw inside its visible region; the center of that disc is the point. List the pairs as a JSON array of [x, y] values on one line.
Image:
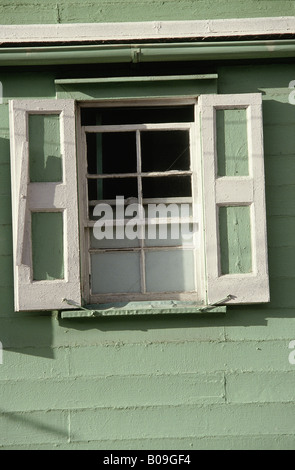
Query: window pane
[[115, 211], [169, 235], [111, 187], [170, 271], [47, 245], [232, 143], [111, 152], [169, 186], [115, 273], [115, 242], [165, 150], [44, 148], [165, 233]]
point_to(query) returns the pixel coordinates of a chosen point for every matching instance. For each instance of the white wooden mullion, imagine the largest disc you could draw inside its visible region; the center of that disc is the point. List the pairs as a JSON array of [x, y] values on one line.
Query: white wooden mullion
[[83, 210], [138, 127], [209, 183], [163, 200], [258, 211], [196, 194], [83, 182], [150, 174], [140, 197], [146, 249]]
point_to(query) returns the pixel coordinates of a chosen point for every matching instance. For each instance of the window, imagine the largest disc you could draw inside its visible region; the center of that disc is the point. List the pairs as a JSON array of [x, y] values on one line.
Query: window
[[200, 160], [141, 172]]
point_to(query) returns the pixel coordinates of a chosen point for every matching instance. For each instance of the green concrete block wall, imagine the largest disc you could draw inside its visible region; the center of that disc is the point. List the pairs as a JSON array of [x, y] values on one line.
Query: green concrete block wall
[[68, 11], [193, 382]]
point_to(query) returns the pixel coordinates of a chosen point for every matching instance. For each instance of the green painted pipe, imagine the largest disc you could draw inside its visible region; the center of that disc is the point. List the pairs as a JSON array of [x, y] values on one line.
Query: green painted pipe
[[218, 51], [146, 52], [64, 55]]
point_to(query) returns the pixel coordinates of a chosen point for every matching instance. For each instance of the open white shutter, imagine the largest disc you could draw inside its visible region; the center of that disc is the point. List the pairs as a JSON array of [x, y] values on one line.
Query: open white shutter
[[234, 191], [45, 197]]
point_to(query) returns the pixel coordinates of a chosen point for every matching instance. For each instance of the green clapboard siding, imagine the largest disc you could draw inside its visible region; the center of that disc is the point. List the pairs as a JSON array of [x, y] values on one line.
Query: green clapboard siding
[[235, 240], [47, 245], [44, 148], [232, 145]]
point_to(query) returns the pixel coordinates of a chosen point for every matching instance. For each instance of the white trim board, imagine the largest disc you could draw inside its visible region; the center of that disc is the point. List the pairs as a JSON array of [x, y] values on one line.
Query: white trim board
[[84, 32]]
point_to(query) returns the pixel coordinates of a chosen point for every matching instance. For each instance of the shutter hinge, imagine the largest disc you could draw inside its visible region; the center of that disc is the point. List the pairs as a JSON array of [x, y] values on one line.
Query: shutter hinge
[[218, 302]]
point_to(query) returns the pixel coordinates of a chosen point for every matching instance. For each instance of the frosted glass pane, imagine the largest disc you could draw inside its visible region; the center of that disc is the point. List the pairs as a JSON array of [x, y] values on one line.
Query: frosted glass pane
[[171, 235], [170, 271], [179, 233], [113, 243], [115, 273]]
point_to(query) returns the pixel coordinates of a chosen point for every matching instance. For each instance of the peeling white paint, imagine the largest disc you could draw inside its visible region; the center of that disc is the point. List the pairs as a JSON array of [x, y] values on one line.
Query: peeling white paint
[[146, 30]]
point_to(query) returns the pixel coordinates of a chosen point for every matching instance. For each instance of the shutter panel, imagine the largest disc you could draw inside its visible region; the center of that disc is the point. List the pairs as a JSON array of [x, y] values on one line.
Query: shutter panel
[[45, 208], [234, 198]]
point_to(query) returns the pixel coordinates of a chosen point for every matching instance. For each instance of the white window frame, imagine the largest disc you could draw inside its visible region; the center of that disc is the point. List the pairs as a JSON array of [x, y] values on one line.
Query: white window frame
[[50, 295], [197, 245]]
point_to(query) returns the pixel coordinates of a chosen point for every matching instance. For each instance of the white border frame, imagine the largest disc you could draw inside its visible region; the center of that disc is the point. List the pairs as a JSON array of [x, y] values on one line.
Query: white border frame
[[153, 30]]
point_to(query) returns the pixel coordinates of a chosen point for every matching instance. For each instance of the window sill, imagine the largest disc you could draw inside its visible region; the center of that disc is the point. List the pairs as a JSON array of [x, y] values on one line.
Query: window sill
[[142, 308]]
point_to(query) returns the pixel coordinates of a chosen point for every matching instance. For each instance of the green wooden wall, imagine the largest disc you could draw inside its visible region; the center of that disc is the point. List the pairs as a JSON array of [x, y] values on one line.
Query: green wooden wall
[[192, 382]]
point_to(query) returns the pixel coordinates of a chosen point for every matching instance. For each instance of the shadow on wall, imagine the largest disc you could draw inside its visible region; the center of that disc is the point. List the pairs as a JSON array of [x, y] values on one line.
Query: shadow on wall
[[27, 333], [33, 425], [146, 323]]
